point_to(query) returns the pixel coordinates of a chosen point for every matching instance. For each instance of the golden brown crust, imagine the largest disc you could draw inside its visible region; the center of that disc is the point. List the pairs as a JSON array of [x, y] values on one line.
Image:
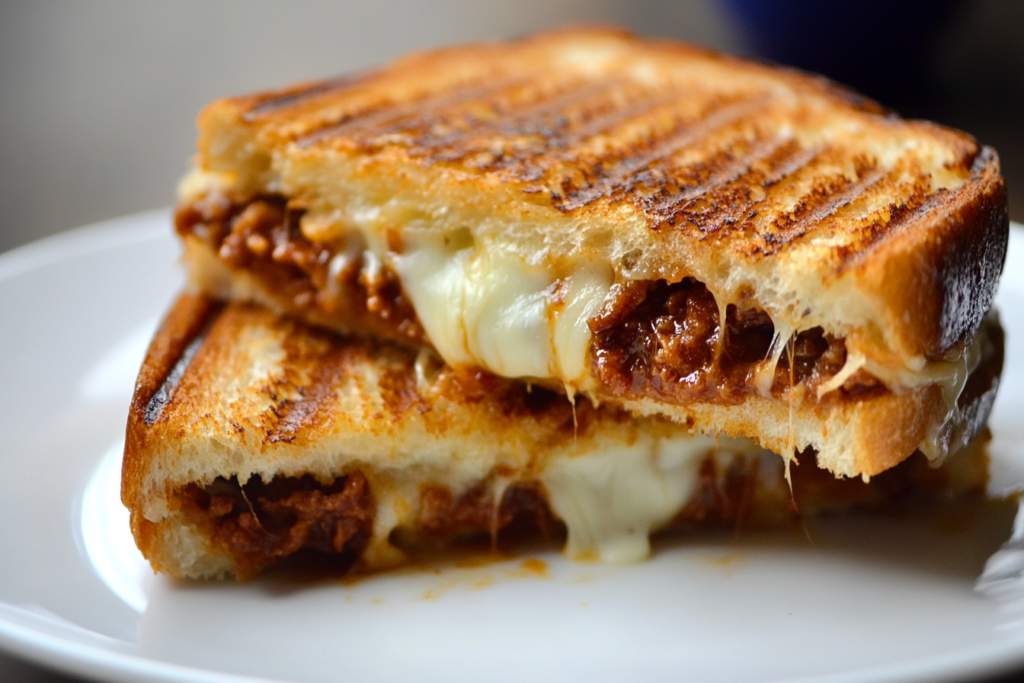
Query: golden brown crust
[[687, 162], [180, 328]]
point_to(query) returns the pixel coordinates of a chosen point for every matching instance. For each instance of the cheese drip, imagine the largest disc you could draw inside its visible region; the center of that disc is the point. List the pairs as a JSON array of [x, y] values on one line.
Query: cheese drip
[[611, 499], [481, 307], [611, 491]]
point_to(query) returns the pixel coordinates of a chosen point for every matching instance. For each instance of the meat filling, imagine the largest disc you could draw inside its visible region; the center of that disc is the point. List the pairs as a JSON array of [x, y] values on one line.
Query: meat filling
[[666, 341], [260, 524], [523, 508], [261, 236]]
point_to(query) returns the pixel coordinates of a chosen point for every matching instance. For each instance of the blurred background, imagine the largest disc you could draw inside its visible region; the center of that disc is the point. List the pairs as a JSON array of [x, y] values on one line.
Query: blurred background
[[98, 99]]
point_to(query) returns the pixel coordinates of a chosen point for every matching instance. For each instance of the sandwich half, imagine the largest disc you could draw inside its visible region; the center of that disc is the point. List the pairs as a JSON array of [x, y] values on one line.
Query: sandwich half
[[743, 249], [255, 440]]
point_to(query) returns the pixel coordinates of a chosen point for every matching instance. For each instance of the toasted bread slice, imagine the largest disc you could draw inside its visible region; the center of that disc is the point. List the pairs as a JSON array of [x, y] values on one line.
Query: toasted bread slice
[[253, 440], [647, 223]]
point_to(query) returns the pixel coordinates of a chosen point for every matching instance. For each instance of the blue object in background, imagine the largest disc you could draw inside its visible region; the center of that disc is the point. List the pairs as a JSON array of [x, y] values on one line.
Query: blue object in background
[[883, 48]]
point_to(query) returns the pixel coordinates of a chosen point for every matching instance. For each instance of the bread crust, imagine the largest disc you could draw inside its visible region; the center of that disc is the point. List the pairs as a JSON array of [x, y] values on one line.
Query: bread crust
[[937, 274]]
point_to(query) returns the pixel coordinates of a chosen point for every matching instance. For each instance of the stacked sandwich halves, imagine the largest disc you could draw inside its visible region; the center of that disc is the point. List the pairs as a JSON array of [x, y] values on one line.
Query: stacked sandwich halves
[[577, 280]]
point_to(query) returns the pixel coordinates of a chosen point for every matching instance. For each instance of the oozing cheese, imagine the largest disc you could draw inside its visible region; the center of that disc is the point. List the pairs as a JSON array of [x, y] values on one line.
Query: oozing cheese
[[583, 294], [611, 492], [481, 307], [611, 499]]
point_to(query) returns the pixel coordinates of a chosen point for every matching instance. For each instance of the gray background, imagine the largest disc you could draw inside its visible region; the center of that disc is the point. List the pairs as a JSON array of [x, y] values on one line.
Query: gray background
[[98, 99]]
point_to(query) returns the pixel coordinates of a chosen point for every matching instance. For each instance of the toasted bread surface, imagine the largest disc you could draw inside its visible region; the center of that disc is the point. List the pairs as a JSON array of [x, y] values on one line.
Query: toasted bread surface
[[660, 161]]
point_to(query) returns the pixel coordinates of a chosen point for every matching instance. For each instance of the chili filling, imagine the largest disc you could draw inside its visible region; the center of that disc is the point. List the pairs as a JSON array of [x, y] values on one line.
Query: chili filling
[[665, 341], [523, 508], [261, 524], [262, 237]]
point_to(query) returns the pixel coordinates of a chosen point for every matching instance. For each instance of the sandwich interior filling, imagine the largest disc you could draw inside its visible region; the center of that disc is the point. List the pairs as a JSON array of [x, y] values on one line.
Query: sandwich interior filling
[[259, 524], [642, 339], [329, 525]]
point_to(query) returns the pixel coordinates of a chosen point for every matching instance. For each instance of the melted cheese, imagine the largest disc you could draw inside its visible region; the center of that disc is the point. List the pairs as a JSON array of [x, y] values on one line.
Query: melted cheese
[[611, 492], [855, 360], [584, 294], [764, 375], [611, 499], [481, 307]]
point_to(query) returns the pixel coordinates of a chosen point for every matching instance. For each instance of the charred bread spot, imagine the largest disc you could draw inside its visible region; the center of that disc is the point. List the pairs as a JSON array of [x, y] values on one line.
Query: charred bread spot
[[180, 336], [937, 264], [172, 350]]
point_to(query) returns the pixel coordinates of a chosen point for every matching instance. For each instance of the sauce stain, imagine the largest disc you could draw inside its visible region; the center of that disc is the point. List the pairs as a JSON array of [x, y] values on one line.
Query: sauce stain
[[531, 568], [728, 563], [469, 576]]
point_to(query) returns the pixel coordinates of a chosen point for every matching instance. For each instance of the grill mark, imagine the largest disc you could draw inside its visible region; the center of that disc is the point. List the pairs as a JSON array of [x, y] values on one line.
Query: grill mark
[[529, 167], [821, 202], [327, 366], [291, 98], [793, 164], [623, 115], [622, 178], [486, 137], [524, 122], [738, 212], [791, 160], [564, 149], [892, 217], [732, 199], [667, 206], [163, 396], [376, 121], [316, 397]]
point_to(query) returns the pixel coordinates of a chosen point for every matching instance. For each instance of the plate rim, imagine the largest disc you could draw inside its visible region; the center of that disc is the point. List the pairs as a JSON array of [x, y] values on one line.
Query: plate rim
[[22, 633]]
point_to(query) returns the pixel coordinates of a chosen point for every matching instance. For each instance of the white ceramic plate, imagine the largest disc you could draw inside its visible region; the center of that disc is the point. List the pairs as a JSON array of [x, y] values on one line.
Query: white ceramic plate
[[865, 598]]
